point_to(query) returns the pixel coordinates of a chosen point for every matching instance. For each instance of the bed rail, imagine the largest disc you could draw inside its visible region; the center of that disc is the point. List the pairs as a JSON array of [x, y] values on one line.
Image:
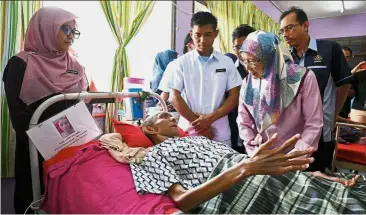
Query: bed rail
[[97, 97]]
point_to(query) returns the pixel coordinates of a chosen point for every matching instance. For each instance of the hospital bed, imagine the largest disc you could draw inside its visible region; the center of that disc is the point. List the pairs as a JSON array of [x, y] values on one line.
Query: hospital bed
[[110, 97], [90, 98], [349, 156]]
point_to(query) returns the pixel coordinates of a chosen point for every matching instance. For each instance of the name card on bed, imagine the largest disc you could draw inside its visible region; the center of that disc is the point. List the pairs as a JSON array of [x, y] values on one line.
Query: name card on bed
[[72, 127]]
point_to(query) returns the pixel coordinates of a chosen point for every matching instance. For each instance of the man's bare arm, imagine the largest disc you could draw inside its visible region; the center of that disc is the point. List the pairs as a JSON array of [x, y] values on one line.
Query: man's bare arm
[[230, 103], [351, 93], [181, 106], [341, 119], [264, 162], [341, 96], [164, 96]]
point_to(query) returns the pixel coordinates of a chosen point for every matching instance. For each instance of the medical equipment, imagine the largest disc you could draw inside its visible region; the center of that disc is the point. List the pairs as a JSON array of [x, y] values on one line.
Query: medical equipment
[[133, 107]]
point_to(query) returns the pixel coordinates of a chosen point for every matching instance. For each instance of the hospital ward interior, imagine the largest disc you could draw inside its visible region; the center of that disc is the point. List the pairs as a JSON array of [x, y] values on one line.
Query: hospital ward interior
[[183, 107]]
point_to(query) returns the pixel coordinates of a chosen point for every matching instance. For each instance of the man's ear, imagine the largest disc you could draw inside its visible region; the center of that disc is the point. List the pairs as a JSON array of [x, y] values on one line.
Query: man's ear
[[149, 130], [306, 26], [216, 32]]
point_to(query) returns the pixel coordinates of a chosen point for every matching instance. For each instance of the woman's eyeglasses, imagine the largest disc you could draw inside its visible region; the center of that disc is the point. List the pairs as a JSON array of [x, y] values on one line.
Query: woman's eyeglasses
[[68, 30], [249, 64]]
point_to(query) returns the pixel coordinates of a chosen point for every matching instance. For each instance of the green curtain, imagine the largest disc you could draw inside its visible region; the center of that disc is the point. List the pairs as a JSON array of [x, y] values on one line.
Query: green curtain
[[125, 19], [231, 14], [14, 19]]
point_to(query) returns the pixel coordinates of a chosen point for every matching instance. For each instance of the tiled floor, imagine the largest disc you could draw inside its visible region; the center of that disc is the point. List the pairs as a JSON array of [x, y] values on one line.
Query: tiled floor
[[7, 193]]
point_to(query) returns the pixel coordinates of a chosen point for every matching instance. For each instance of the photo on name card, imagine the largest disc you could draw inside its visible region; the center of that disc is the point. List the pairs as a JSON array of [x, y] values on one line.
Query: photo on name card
[[64, 127]]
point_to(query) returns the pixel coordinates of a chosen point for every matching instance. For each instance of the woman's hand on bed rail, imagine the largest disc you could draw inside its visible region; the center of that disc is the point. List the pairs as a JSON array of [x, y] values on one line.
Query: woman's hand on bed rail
[[267, 161]]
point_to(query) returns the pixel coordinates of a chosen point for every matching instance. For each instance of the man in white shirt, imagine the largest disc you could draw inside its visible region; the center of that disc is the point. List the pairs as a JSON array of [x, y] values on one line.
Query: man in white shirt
[[188, 46], [204, 75]]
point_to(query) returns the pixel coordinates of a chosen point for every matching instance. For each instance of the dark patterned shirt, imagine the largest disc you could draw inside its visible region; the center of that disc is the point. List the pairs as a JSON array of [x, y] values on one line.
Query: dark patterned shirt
[[188, 161]]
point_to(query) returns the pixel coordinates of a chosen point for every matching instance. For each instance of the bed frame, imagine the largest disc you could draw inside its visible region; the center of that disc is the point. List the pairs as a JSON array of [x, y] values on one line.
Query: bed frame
[[345, 164], [95, 98]]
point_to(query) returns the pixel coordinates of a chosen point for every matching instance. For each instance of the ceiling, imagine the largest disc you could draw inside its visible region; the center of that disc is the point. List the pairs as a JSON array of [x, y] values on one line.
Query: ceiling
[[324, 9]]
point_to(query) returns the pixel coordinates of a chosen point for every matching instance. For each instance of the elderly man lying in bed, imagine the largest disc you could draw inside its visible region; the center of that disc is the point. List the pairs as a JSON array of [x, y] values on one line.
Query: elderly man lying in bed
[[204, 176]]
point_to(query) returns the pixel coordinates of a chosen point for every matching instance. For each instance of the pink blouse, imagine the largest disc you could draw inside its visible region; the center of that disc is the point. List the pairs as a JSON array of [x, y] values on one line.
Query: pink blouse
[[303, 116]]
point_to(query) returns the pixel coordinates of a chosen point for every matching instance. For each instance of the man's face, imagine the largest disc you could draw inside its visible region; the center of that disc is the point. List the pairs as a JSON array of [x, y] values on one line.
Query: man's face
[[252, 65], [292, 30], [165, 125], [203, 37], [237, 45], [347, 55]]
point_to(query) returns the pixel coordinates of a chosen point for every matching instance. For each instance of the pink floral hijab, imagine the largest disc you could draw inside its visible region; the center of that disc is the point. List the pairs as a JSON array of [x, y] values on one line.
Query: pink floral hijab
[[48, 69], [281, 78]]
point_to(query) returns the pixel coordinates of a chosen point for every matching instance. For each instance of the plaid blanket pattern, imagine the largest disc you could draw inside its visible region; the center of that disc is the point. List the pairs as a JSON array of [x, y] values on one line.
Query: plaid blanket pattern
[[291, 193]]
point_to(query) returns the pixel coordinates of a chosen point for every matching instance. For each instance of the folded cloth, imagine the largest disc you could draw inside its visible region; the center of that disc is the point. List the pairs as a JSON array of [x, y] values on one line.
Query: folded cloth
[[349, 135], [120, 150]]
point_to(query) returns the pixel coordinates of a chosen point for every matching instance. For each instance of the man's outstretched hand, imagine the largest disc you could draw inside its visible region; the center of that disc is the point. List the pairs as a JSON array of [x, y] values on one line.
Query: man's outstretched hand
[[277, 161]]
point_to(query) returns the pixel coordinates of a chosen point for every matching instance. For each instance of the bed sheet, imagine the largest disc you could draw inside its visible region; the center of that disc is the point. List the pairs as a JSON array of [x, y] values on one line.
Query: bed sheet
[[86, 179], [352, 152]]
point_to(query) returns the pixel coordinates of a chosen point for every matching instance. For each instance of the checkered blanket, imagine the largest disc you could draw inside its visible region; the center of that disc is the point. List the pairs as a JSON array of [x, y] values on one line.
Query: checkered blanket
[[291, 193], [188, 161]]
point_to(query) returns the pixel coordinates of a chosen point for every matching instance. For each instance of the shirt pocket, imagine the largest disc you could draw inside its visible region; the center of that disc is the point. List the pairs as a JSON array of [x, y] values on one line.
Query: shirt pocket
[[219, 80], [220, 76]]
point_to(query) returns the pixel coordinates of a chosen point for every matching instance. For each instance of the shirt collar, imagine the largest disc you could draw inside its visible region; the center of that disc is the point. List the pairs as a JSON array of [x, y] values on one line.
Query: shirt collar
[[237, 63], [214, 54], [312, 45]]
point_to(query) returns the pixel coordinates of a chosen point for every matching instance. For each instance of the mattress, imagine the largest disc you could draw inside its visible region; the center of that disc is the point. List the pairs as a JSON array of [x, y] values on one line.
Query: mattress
[[86, 179], [352, 152]]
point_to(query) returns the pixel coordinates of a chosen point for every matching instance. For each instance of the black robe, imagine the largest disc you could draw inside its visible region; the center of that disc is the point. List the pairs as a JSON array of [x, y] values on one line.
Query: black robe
[[20, 115]]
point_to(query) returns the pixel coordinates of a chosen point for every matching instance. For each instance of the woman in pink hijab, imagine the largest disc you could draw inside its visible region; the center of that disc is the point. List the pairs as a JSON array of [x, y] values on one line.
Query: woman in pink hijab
[[45, 68]]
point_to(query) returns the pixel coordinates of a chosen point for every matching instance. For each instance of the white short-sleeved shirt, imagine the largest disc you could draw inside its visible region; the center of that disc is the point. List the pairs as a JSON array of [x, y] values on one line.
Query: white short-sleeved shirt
[[163, 86], [204, 84]]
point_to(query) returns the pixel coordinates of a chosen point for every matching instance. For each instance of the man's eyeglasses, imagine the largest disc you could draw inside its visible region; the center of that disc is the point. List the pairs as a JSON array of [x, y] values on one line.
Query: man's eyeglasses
[[249, 64], [287, 28], [68, 30], [236, 47]]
